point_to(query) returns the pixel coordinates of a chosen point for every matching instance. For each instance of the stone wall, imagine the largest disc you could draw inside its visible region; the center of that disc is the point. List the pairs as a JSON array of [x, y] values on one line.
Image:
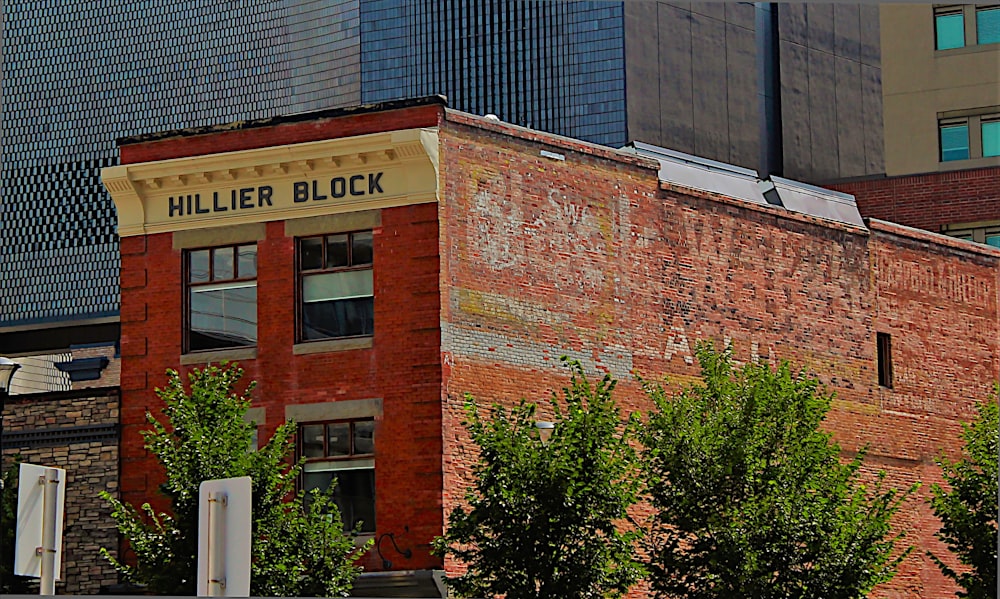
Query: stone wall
[[78, 431]]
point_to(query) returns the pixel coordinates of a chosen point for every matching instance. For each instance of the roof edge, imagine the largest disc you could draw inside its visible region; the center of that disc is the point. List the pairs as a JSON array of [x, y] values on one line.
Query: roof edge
[[298, 117]]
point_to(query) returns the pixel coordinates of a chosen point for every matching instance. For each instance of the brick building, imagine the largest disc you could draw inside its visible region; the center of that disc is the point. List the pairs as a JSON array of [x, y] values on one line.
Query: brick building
[[370, 266]]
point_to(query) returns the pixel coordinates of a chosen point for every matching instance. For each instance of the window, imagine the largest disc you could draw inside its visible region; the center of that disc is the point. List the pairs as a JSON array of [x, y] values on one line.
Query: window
[[988, 25], [949, 28], [221, 298], [343, 451], [991, 137], [884, 343], [336, 288], [954, 141], [980, 232]]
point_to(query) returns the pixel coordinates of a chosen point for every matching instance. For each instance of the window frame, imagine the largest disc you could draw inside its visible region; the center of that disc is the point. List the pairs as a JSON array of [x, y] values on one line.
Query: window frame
[[979, 10], [973, 120], [301, 275], [977, 232], [363, 459], [950, 11], [189, 286]]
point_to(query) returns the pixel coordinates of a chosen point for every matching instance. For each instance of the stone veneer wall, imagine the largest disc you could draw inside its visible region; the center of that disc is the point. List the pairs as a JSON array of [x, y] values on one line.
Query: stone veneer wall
[[47, 429]]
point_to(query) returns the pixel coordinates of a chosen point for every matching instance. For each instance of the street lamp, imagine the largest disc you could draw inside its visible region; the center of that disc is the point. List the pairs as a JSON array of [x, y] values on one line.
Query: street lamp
[[545, 430]]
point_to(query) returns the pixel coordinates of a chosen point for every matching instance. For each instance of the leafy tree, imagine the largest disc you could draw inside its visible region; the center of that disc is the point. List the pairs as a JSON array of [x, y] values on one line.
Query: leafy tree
[[751, 497], [8, 516], [968, 510], [544, 520], [298, 548]]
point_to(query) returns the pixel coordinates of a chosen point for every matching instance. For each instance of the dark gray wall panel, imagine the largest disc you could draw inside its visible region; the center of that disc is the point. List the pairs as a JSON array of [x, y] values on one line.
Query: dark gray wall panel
[[676, 84], [710, 105], [823, 123], [819, 27], [796, 131], [870, 36], [847, 31], [742, 102], [642, 77], [871, 106], [850, 133]]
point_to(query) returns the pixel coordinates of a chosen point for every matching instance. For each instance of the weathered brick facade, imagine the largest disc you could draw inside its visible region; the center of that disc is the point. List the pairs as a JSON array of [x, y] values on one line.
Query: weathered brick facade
[[525, 258], [932, 200], [90, 457]]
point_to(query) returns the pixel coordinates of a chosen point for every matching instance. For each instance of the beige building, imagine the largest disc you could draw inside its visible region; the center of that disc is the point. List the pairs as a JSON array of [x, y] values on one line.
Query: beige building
[[941, 87]]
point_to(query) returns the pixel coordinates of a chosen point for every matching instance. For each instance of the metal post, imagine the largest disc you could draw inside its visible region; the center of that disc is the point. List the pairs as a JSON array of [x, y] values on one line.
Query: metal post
[[217, 544], [49, 495]]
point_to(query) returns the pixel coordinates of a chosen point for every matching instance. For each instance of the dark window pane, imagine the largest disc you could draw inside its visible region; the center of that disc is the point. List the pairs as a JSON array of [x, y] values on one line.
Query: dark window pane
[[988, 25], [336, 251], [248, 261], [198, 273], [312, 440], [222, 264], [223, 318], [361, 248], [341, 318], [312, 253], [354, 494], [993, 240], [364, 437], [950, 31], [954, 142], [339, 439]]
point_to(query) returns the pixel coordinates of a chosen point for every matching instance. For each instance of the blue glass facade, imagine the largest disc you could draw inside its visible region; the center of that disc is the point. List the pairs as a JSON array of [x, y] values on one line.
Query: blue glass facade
[[553, 66]]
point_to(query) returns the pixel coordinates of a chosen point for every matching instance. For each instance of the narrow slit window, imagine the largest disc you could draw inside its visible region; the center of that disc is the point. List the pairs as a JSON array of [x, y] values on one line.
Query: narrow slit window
[[884, 342]]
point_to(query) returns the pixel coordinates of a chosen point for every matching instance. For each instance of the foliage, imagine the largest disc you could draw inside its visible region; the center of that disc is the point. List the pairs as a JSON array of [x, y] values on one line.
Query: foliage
[[751, 497], [544, 520], [968, 510], [298, 548], [8, 516]]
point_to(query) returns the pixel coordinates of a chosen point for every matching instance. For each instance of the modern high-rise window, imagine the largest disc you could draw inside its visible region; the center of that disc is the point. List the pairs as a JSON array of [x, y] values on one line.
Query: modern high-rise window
[[991, 137], [988, 25], [954, 141], [949, 28]]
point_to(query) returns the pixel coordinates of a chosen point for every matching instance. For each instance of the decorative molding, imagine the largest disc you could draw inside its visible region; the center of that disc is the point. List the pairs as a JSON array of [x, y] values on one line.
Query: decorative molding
[[59, 436], [84, 369], [365, 172]]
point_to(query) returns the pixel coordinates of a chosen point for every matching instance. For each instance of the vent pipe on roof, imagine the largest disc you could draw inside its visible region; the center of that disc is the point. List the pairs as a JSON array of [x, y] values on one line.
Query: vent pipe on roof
[[769, 89]]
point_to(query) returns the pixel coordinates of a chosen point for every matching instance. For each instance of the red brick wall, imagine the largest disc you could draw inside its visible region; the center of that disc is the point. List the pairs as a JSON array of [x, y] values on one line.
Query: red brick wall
[[402, 367], [591, 258], [931, 200]]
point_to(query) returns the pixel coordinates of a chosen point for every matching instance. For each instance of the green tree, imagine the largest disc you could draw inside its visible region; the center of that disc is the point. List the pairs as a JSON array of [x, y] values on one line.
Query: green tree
[[8, 518], [752, 499], [545, 520], [968, 509], [298, 547]]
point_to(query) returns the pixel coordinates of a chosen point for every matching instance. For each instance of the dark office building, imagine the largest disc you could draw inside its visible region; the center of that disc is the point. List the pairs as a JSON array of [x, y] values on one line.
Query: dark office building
[[80, 74]]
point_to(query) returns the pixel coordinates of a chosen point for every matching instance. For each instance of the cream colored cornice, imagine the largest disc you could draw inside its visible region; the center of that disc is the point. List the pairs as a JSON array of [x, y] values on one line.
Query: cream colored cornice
[[385, 169]]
